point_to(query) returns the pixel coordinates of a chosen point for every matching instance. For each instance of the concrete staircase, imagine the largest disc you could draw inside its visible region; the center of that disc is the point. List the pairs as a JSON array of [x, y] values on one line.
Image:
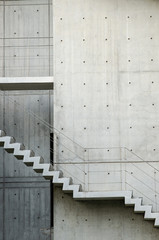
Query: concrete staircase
[[37, 162]]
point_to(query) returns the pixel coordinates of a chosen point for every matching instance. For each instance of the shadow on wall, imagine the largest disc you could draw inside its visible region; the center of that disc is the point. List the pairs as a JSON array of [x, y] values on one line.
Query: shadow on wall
[[98, 220]]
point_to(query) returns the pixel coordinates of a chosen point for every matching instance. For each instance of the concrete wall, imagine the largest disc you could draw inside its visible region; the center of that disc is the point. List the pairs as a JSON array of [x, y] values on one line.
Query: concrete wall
[[26, 38], [106, 98], [99, 220], [25, 195], [25, 50]]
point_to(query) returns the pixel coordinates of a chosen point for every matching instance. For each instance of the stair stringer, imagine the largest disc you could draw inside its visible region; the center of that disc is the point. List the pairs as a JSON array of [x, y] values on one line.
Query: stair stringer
[[57, 178]]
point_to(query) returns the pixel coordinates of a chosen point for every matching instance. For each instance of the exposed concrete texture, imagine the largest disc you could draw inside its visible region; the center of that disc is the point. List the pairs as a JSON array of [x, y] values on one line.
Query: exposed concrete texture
[[106, 96], [25, 195], [98, 220], [26, 38], [103, 75], [48, 172], [25, 51], [26, 212], [24, 116]]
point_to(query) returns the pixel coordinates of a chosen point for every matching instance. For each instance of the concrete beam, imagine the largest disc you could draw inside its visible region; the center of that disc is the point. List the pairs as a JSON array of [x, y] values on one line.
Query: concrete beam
[[26, 83]]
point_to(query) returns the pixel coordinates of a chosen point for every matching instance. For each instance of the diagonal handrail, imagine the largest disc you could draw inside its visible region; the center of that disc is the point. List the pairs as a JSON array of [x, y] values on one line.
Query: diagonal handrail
[[56, 131]]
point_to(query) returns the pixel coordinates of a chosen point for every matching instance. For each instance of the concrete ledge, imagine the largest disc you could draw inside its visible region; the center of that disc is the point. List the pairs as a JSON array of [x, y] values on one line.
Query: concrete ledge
[[26, 83], [109, 195]]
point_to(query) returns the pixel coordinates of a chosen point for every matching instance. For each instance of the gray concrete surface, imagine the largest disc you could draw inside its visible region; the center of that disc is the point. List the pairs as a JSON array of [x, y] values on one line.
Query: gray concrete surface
[[25, 51], [25, 195], [98, 220], [26, 38], [106, 98]]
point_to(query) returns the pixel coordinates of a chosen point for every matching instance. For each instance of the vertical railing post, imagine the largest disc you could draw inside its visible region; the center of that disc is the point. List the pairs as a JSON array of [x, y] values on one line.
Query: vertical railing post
[[123, 169], [51, 184], [86, 177]]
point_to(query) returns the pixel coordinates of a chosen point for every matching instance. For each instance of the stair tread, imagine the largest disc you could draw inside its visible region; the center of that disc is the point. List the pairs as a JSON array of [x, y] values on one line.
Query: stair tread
[[68, 186]]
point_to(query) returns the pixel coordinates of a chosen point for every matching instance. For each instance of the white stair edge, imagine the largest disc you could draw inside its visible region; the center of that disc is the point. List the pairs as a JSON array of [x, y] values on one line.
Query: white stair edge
[[67, 186]]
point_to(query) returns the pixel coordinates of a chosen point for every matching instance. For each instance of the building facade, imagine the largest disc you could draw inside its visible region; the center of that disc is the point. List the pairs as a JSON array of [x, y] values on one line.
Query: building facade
[[104, 111]]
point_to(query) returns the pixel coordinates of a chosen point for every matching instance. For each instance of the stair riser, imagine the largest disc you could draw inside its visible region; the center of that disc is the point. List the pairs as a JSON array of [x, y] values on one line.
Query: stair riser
[[9, 150], [48, 177], [19, 157], [29, 164], [67, 184], [38, 170]]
